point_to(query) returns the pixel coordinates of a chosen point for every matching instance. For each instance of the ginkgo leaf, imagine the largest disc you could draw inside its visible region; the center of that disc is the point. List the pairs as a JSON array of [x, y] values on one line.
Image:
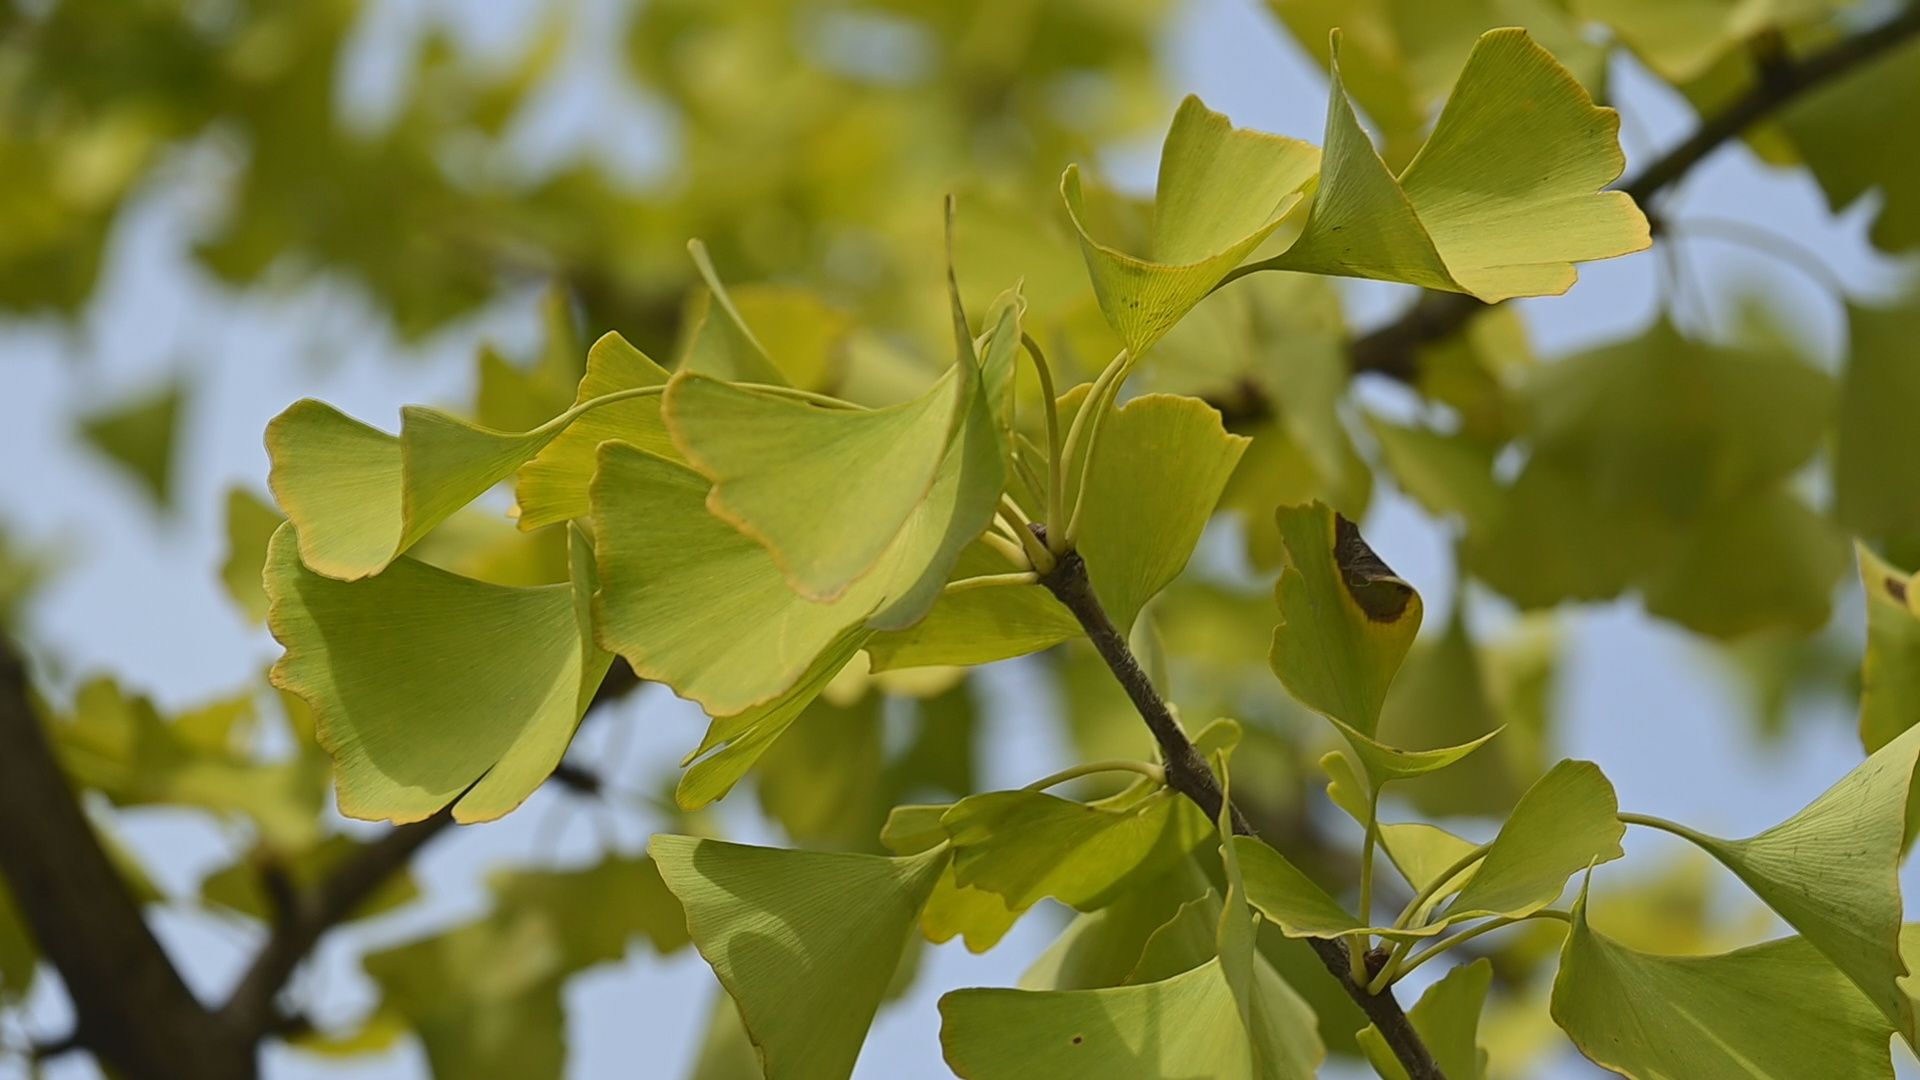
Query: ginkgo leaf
[[1222, 191], [805, 942], [1026, 845], [1876, 452], [1565, 823], [1831, 872], [552, 486], [1421, 852], [427, 687], [733, 743], [691, 602], [241, 886], [1383, 763], [1503, 199], [139, 436], [1228, 1016], [1103, 947], [250, 525], [1777, 1011], [1346, 620], [1832, 127], [359, 498], [839, 495], [718, 340], [1890, 672], [1157, 472], [1447, 1017]]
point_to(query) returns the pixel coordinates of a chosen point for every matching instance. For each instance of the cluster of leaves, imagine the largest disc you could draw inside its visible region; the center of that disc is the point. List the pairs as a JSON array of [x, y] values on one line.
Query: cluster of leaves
[[800, 521]]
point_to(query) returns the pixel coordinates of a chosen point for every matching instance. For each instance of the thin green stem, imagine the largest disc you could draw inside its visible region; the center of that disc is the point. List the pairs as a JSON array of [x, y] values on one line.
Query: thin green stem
[[1086, 424], [1056, 466], [1392, 973], [1007, 548], [1357, 954], [591, 404], [1650, 822], [1148, 769], [1035, 551], [823, 400], [1440, 882], [987, 581]]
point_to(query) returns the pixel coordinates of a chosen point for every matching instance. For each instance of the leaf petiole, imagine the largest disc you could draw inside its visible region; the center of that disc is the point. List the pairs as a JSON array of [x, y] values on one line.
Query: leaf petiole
[[1056, 465], [1086, 427], [987, 581], [1148, 769]]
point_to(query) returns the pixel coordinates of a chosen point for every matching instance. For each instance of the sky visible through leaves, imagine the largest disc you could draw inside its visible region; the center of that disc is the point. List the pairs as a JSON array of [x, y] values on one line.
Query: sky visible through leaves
[[178, 638]]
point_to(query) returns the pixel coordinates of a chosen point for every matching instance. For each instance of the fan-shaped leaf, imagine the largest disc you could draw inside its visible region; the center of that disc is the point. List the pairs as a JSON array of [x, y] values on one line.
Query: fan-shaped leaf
[[552, 487], [1778, 1010], [1447, 1017], [1222, 191], [805, 942], [429, 688], [1890, 674]]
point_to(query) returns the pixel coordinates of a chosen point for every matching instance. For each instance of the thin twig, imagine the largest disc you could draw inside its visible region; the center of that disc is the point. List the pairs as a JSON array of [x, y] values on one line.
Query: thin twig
[[1190, 775]]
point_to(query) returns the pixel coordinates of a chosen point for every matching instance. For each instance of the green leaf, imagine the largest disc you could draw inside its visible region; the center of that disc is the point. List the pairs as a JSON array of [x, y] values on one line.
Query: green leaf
[[250, 525], [1443, 695], [1774, 1010], [1027, 845], [360, 498], [1890, 674], [1876, 454], [139, 436], [1346, 620], [838, 496], [1383, 763], [1447, 1017], [805, 942], [1566, 822], [1222, 190], [552, 486], [1831, 872], [1503, 199], [1833, 128], [239, 886], [429, 688], [691, 602], [1103, 947], [721, 343], [1446, 474], [1156, 475]]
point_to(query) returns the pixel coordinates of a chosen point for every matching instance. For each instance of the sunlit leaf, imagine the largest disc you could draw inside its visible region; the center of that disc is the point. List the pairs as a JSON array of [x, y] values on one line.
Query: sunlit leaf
[[1831, 872], [250, 525], [429, 688], [552, 486], [1222, 190], [1501, 201], [1773, 1010], [805, 942]]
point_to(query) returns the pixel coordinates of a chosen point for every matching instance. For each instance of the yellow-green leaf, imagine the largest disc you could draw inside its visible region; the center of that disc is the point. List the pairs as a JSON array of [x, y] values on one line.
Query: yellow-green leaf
[[1778, 1011], [805, 942], [1447, 1017], [427, 687], [1503, 199], [1890, 673], [1222, 191], [552, 487]]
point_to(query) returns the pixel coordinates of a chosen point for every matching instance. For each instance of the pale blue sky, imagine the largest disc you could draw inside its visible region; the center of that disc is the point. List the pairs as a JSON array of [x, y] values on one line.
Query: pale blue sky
[[138, 596]]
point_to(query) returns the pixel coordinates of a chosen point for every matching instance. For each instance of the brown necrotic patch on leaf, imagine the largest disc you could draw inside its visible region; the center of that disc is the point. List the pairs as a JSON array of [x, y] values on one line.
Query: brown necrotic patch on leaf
[[1381, 593]]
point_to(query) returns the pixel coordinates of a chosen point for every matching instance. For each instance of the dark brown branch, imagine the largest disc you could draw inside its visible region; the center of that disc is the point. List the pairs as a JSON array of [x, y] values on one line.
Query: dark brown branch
[[131, 1006], [1190, 775], [1392, 350]]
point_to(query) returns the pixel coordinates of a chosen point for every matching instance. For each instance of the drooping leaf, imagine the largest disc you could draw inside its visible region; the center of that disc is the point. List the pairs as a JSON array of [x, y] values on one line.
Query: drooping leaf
[[1447, 1016], [1778, 1010], [1503, 199], [1831, 872], [429, 688], [1222, 191], [805, 942], [552, 486], [1346, 620], [1890, 673]]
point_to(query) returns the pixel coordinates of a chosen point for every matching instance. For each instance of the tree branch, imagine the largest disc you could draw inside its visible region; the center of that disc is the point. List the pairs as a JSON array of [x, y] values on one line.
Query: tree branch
[[1392, 349], [131, 1006], [1190, 775]]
